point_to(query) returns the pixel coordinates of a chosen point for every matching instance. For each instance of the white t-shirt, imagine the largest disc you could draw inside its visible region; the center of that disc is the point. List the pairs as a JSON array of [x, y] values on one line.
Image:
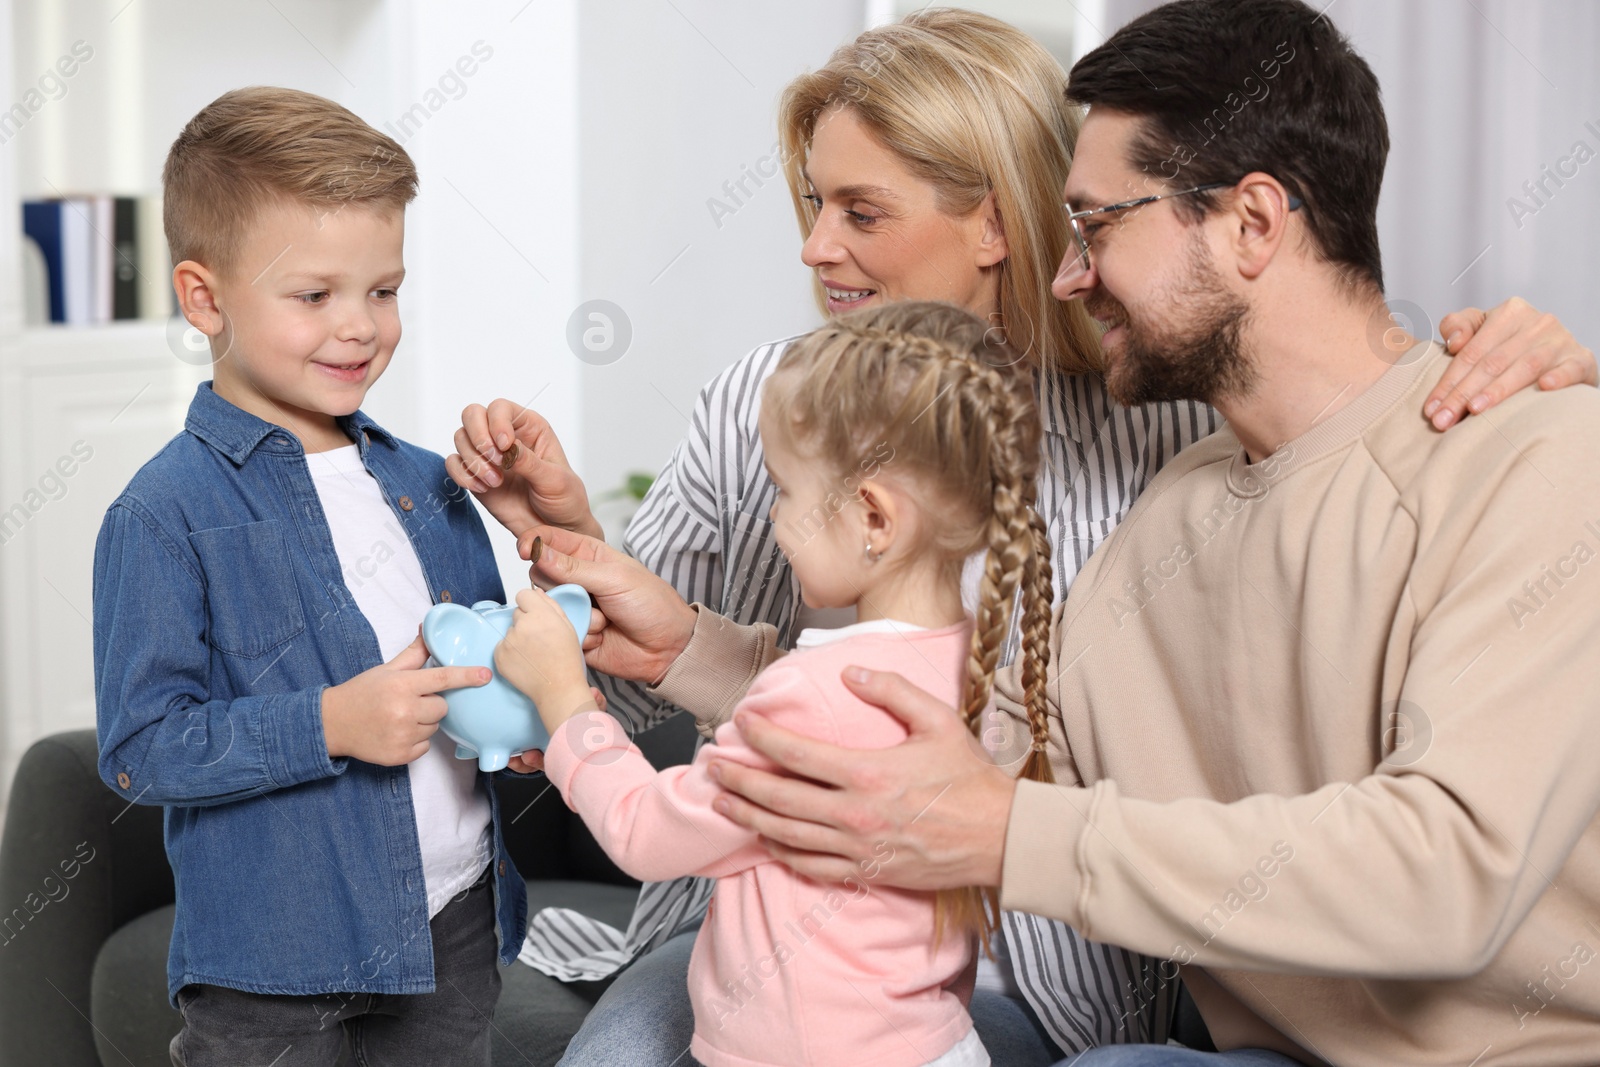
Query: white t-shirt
[[381, 570], [815, 637]]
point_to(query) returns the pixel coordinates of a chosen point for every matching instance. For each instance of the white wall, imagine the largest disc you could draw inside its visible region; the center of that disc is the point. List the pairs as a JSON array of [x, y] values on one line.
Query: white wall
[[492, 243], [1479, 99], [157, 62], [677, 99]]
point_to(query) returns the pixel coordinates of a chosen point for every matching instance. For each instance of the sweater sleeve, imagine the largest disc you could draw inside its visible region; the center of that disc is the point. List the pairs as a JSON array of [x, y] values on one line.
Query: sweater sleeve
[[657, 826], [1424, 867], [717, 667]]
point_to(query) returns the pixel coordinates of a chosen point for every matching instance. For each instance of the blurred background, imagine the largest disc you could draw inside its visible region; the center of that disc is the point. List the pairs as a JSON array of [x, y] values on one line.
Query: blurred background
[[621, 152]]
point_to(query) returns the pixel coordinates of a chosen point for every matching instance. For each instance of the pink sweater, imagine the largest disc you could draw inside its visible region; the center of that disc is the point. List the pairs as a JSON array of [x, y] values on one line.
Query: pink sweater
[[786, 970]]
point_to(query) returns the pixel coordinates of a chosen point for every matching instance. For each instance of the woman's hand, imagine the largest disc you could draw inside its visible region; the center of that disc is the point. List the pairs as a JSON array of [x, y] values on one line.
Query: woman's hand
[[509, 458], [541, 657], [644, 623], [928, 813], [532, 761], [1500, 352]]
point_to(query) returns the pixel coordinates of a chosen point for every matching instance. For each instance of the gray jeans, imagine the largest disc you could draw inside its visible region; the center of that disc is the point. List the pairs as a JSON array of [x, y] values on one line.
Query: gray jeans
[[225, 1027], [645, 1019]]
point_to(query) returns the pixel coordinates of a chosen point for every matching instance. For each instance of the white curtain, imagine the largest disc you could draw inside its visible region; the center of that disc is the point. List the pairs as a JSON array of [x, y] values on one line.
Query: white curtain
[[1482, 96]]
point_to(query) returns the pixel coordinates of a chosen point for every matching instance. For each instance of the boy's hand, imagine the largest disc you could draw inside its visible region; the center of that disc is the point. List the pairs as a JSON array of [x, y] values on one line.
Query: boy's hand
[[386, 715], [541, 657], [510, 459], [532, 761]]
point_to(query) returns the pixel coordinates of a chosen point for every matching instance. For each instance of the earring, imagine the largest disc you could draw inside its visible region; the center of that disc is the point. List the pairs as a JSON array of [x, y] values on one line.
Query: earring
[[870, 557]]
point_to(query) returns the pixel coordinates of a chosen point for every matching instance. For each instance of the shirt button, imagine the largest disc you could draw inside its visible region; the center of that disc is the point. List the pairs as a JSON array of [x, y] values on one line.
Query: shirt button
[[444, 595], [123, 780], [502, 868], [405, 503]]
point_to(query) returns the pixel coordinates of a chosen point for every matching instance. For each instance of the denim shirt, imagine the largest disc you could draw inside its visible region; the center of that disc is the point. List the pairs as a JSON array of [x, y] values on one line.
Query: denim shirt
[[220, 615]]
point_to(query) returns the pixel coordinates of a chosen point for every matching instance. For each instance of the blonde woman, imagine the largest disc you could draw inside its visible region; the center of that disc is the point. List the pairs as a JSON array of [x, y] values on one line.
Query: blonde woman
[[926, 161]]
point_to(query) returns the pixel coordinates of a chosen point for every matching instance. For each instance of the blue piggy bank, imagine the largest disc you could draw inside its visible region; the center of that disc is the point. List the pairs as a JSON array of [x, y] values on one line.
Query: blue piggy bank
[[490, 722]]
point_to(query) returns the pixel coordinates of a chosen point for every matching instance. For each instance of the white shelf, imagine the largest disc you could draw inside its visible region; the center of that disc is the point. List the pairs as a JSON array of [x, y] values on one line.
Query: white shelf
[[50, 347]]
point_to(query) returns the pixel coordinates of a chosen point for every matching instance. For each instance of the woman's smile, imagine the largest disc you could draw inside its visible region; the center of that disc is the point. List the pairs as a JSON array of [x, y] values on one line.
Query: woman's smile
[[845, 297]]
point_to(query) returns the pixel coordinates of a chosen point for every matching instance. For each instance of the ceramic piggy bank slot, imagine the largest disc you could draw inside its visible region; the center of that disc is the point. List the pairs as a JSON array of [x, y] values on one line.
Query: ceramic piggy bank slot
[[491, 722]]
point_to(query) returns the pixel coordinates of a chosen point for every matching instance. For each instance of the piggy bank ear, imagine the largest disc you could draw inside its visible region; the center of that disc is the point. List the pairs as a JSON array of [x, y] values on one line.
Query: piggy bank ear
[[457, 636], [574, 601]]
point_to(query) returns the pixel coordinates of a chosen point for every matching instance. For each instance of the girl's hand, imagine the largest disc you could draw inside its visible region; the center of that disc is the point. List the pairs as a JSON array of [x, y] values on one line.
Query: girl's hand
[[1500, 352], [541, 657], [532, 761], [510, 459]]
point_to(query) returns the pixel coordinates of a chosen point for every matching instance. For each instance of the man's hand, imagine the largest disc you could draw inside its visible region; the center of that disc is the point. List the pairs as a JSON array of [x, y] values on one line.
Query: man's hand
[[1501, 352], [929, 813], [510, 459], [643, 623], [386, 715], [540, 656]]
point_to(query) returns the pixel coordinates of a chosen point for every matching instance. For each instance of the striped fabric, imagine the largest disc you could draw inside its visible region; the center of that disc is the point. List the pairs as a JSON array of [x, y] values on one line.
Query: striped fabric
[[704, 528]]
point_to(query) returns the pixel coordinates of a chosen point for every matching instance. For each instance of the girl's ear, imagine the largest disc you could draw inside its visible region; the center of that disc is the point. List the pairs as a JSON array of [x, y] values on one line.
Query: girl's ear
[[880, 514]]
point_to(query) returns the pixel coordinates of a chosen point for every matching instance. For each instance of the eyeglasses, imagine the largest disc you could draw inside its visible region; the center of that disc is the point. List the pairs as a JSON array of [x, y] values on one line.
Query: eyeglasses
[[1081, 239]]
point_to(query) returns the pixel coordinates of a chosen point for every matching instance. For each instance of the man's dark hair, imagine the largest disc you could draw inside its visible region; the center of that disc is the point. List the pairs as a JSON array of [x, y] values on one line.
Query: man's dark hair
[[1226, 87]]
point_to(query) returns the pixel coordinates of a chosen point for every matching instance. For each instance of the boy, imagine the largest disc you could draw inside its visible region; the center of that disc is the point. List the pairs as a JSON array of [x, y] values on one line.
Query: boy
[[258, 591]]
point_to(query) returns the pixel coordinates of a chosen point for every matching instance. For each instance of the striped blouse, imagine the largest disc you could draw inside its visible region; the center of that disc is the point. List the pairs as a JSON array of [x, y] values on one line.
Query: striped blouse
[[704, 528]]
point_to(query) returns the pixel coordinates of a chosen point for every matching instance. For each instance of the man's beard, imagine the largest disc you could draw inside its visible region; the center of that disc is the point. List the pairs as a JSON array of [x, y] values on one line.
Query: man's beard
[[1202, 359]]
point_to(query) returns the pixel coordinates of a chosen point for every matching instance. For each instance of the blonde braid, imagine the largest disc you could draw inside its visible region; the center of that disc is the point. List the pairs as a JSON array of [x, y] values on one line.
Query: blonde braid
[[1006, 565], [1018, 557], [1036, 611]]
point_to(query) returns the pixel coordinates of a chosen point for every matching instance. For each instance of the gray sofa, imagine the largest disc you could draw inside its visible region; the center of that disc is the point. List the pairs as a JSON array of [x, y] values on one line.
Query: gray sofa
[[84, 935]]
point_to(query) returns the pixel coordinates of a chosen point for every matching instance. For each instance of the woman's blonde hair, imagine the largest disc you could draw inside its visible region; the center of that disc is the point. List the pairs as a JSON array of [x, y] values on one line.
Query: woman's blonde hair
[[931, 382], [974, 106]]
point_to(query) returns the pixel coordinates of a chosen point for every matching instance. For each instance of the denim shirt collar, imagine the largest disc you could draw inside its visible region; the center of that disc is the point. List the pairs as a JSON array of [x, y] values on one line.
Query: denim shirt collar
[[236, 433]]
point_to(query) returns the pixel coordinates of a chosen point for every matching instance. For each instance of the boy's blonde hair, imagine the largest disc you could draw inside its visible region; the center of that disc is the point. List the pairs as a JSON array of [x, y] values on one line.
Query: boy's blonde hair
[[252, 146], [932, 382], [973, 106]]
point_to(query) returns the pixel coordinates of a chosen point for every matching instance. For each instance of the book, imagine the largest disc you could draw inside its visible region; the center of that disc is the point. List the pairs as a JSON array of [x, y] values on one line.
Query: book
[[41, 221], [125, 267], [102, 257], [35, 284], [156, 298], [77, 260]]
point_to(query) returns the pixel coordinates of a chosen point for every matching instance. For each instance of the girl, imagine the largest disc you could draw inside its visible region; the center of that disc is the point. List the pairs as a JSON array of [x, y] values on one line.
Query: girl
[[901, 442]]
